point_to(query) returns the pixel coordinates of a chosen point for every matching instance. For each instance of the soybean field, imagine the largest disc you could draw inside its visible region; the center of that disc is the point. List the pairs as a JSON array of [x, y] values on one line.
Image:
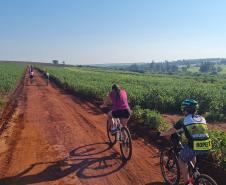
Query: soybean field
[[163, 93]]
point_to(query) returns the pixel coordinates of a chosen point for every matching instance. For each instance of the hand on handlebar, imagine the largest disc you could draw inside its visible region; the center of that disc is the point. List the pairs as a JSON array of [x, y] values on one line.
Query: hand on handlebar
[[165, 136], [102, 106]]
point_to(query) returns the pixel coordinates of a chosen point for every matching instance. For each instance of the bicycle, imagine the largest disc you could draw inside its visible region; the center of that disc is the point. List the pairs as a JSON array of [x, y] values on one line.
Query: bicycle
[[31, 79], [169, 165], [123, 136]]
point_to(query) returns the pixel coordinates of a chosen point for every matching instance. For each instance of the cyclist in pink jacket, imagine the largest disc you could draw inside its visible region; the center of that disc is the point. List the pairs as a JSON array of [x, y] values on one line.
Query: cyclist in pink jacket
[[120, 108]]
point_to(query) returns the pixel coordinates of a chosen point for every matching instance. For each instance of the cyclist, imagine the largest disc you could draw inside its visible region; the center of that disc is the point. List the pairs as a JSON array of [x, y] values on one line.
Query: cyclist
[[47, 77], [31, 72], [195, 128], [120, 109]]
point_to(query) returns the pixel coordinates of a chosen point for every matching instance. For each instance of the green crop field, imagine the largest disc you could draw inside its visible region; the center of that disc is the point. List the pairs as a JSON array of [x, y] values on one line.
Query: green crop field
[[163, 93], [193, 69], [10, 74]]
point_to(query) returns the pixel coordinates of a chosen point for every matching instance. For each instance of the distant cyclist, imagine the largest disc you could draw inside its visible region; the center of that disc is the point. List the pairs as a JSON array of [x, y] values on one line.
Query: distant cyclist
[[120, 109], [31, 73], [195, 129], [47, 77]]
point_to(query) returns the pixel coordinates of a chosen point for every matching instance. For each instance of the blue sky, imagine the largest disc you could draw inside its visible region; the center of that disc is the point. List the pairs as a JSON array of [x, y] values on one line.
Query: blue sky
[[111, 31]]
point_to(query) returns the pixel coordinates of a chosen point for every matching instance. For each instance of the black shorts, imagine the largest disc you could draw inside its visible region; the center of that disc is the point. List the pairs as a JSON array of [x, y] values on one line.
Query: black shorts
[[125, 113], [31, 76]]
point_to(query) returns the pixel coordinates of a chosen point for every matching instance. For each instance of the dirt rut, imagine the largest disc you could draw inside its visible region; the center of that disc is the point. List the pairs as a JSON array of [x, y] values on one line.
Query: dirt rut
[[56, 139]]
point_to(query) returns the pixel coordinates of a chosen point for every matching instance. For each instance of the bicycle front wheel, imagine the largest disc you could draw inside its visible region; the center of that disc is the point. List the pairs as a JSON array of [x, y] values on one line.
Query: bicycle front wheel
[[204, 179], [126, 144], [169, 167], [112, 138]]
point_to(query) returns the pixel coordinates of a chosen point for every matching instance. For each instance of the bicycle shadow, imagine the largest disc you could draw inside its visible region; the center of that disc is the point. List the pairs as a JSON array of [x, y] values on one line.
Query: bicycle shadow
[[86, 162], [156, 183], [37, 85], [98, 166]]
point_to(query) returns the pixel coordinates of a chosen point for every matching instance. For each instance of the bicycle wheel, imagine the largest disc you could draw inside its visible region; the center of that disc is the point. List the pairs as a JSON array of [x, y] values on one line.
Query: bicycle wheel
[[169, 167], [31, 81], [112, 138], [204, 179], [126, 144]]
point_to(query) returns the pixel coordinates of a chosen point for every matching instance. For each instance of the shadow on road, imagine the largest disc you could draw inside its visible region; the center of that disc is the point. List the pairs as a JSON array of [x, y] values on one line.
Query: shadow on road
[[156, 183], [89, 161]]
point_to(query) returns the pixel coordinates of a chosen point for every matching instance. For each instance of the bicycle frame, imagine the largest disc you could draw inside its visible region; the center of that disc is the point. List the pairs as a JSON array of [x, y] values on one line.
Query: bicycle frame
[[176, 147], [172, 163], [124, 138]]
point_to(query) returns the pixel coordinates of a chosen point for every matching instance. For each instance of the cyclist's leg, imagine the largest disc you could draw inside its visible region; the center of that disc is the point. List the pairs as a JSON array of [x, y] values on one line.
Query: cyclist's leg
[[113, 126], [186, 155], [124, 121], [124, 117], [110, 116], [184, 170]]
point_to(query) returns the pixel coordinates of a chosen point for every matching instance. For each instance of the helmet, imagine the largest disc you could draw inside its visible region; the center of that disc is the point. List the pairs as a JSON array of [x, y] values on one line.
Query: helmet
[[189, 105], [115, 87]]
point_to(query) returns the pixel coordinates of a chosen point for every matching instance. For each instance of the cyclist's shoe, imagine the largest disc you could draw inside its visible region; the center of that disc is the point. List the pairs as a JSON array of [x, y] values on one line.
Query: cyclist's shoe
[[114, 130]]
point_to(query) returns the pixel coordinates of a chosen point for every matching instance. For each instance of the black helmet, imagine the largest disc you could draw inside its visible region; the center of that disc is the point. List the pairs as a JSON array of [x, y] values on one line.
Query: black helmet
[[115, 87]]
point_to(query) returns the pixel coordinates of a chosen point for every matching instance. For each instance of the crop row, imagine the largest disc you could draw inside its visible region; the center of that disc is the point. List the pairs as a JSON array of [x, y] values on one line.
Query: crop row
[[10, 74], [163, 93]]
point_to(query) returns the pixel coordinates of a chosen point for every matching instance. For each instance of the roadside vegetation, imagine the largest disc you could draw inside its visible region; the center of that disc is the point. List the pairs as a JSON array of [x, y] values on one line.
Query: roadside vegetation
[[158, 92], [10, 75]]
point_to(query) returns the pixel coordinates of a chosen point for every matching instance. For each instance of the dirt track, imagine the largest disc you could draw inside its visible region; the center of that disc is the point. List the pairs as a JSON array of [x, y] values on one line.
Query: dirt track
[[56, 139]]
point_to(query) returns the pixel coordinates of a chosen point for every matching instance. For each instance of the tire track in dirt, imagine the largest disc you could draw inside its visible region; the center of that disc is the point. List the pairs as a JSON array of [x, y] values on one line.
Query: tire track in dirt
[[61, 140]]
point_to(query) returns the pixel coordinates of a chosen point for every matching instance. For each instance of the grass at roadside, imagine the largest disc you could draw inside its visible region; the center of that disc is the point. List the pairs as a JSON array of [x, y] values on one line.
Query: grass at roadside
[[10, 75]]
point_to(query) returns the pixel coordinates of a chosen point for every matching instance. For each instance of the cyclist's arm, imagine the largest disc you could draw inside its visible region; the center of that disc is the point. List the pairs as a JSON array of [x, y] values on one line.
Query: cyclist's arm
[[178, 125], [169, 132], [106, 101]]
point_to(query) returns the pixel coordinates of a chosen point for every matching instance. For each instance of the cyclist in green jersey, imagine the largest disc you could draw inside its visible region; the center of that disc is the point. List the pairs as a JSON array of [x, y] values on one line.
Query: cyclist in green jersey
[[195, 128]]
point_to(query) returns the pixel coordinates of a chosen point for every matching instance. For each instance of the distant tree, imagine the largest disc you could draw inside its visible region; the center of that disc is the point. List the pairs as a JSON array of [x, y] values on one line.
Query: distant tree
[[55, 62], [63, 62], [205, 67], [209, 67], [151, 66], [219, 69], [174, 68], [135, 68], [223, 61], [167, 66], [184, 69]]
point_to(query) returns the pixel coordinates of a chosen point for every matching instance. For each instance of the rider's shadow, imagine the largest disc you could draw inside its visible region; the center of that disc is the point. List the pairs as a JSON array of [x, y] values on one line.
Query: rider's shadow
[[89, 161], [102, 160]]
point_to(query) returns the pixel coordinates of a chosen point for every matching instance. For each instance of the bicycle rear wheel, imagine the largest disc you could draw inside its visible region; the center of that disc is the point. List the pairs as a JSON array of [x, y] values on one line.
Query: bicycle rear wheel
[[126, 144], [204, 179], [112, 138], [169, 167]]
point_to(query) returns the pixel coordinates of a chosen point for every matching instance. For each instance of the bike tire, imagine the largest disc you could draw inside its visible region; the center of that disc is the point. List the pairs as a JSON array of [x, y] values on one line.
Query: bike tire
[[112, 138], [207, 179], [125, 130], [169, 153]]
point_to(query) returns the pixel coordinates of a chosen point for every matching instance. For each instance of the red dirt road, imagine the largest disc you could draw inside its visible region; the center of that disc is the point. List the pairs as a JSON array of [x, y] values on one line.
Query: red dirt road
[[56, 139]]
